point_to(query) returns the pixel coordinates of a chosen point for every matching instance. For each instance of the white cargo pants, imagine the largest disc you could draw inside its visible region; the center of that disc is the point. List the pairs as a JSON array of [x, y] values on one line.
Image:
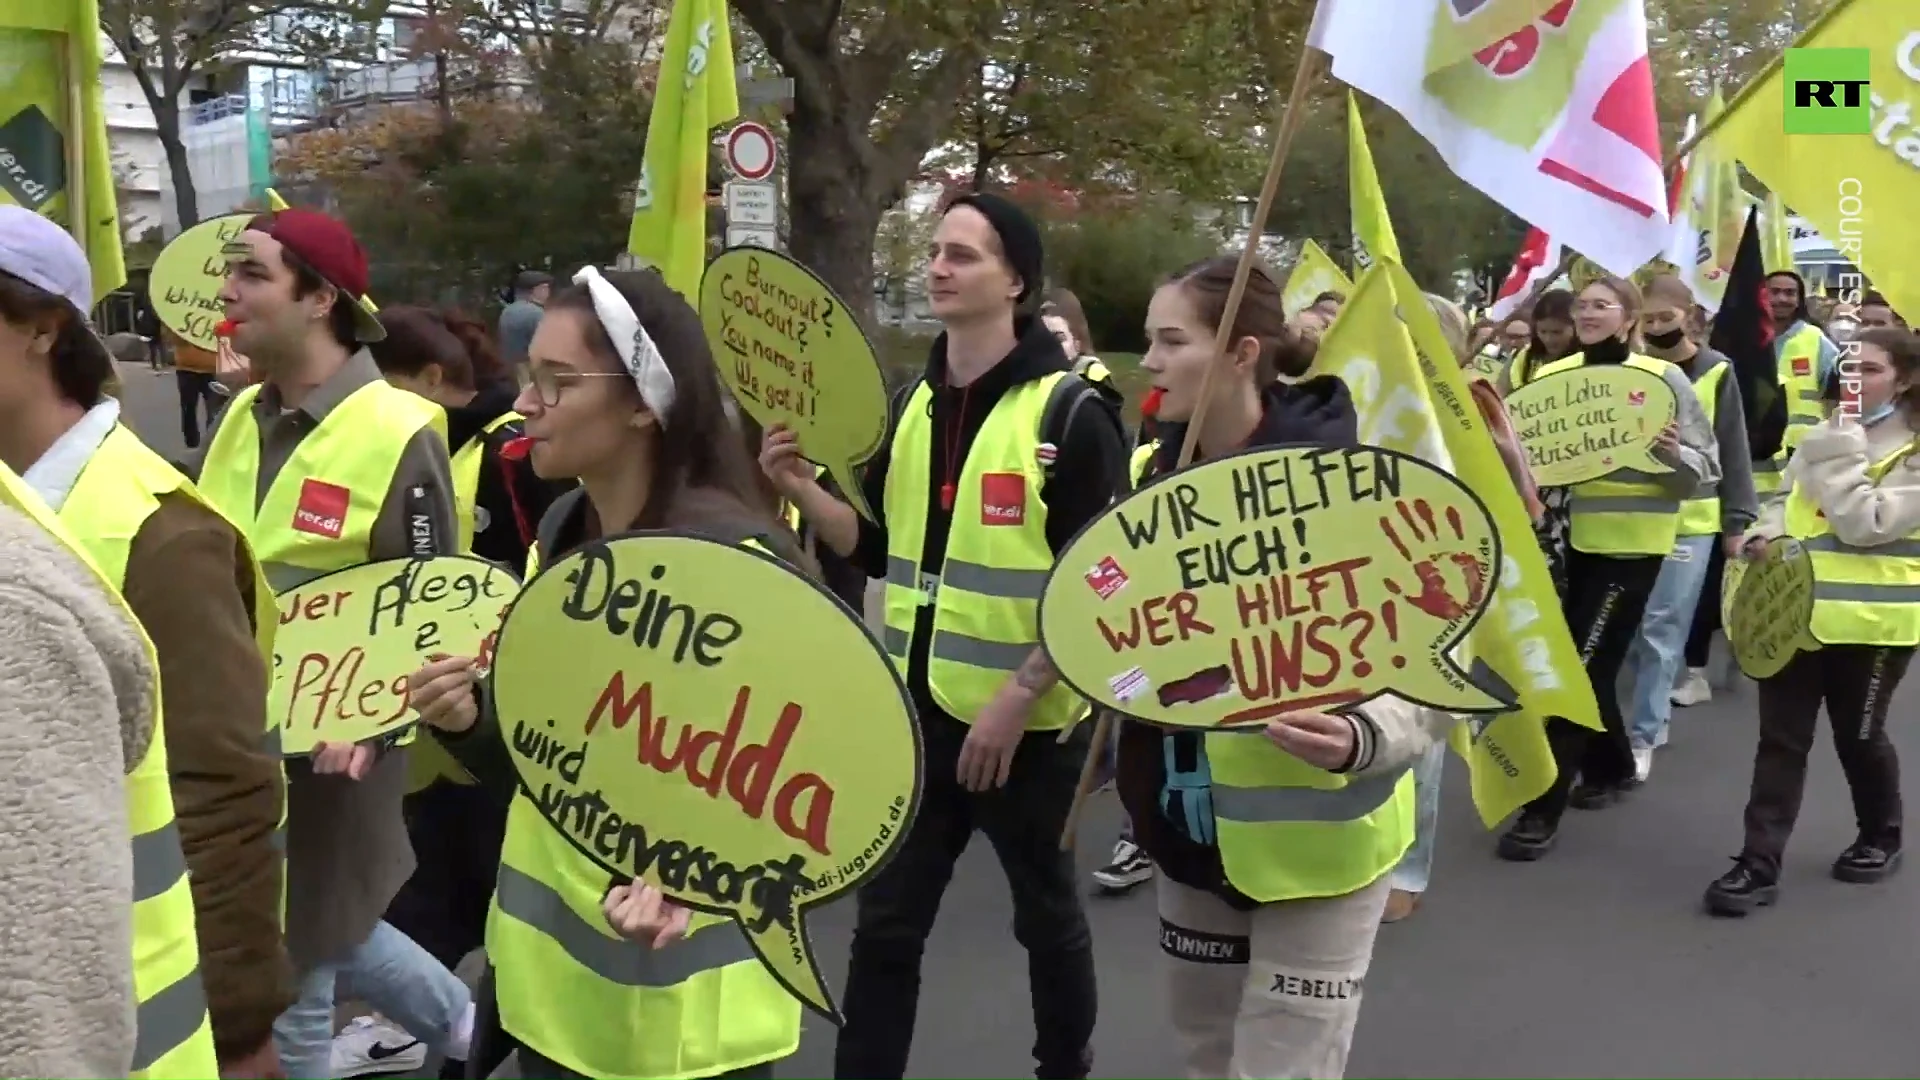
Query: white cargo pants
[[1267, 994]]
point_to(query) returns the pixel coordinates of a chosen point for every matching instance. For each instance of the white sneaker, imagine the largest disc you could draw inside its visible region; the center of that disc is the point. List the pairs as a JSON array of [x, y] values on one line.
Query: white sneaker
[[1642, 763], [1693, 690], [375, 1047]]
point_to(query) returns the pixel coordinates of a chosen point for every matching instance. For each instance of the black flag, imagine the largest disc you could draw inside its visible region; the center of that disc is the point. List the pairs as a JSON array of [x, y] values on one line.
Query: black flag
[[1744, 332]]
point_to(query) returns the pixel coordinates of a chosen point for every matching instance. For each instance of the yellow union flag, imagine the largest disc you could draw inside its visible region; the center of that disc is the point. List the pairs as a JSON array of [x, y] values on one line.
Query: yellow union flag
[[1314, 272], [1858, 191], [49, 71], [1412, 396], [1372, 228], [695, 93]]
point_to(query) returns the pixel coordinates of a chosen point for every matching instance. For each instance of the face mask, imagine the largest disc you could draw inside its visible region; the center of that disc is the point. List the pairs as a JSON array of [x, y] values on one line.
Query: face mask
[[1878, 414], [1666, 339]]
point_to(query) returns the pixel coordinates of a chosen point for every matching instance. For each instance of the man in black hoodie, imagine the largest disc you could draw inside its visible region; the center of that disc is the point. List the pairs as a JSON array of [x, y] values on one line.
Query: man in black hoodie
[[998, 457]]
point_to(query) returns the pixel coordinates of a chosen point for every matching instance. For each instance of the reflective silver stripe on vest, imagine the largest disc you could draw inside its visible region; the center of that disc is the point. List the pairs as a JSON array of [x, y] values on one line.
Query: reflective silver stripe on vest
[[972, 577], [1261, 805], [1802, 420], [282, 576], [1899, 549], [1633, 476], [1767, 465], [1809, 395], [158, 861], [980, 653], [1624, 504], [895, 640], [1840, 593], [624, 963], [168, 1019], [1705, 492]]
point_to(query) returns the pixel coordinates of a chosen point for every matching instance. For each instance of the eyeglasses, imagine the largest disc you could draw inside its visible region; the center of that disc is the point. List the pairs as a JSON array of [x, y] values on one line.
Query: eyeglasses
[[549, 381], [1594, 307]]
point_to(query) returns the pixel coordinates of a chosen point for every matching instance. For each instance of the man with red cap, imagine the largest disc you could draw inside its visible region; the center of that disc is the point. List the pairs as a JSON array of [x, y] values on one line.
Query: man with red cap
[[327, 466]]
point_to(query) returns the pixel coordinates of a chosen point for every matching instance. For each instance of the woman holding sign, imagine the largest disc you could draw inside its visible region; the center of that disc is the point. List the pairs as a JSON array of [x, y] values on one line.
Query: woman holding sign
[[1268, 927], [1854, 506], [625, 397], [1623, 525]]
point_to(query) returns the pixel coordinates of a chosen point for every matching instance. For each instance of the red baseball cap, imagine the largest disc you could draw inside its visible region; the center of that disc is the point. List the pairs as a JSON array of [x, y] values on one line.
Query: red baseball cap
[[326, 245]]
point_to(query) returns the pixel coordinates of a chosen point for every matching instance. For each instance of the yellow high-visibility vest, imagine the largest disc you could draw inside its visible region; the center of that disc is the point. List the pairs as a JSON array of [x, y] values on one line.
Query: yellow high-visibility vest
[[1700, 515], [1799, 370], [603, 1006], [1861, 595], [466, 477], [1625, 513], [986, 595], [1290, 831], [318, 515]]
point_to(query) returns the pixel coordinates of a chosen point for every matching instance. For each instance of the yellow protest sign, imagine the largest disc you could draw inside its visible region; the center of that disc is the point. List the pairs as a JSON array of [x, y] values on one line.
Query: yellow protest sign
[[1772, 609], [1272, 581], [792, 355], [186, 278], [1488, 363], [1314, 272], [1582, 424], [349, 639], [704, 717]]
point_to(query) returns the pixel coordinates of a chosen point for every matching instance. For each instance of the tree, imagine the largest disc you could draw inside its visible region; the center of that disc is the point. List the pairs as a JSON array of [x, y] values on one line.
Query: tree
[[165, 43]]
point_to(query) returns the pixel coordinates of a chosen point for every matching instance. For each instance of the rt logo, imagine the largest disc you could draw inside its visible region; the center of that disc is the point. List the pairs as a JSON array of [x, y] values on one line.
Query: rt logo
[[1828, 91]]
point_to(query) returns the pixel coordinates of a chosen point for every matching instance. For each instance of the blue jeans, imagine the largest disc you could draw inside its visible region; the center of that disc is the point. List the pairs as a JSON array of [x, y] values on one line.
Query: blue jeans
[[388, 971], [1416, 868], [1654, 658]]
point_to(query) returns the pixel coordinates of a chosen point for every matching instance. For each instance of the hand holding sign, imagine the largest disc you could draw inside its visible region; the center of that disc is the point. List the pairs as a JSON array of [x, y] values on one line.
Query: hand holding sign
[[792, 355], [1276, 581], [705, 720], [348, 641], [187, 276], [1594, 420], [1769, 617]]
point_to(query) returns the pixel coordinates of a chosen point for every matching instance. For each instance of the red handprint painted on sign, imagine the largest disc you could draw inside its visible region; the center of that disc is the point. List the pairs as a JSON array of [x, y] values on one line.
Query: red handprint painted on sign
[[1435, 597]]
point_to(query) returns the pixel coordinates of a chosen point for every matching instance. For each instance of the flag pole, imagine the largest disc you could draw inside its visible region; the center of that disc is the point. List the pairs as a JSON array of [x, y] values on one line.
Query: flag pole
[[1290, 117], [1753, 84], [75, 136]]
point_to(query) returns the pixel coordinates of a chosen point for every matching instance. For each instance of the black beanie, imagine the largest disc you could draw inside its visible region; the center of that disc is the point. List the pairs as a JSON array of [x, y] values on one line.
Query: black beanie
[[1019, 237]]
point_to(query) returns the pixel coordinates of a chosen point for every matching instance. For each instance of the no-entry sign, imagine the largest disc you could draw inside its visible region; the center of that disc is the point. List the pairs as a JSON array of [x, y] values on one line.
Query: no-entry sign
[[751, 151]]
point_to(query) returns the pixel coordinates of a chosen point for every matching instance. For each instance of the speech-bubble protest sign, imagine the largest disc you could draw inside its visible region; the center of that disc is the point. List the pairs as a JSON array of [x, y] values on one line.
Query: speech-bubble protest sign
[[1583, 424], [793, 355], [186, 278], [1772, 610], [1273, 581], [1487, 364], [349, 639], [703, 717]]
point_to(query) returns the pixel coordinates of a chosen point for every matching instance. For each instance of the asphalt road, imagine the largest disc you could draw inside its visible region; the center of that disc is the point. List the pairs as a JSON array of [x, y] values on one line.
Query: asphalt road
[[1595, 962]]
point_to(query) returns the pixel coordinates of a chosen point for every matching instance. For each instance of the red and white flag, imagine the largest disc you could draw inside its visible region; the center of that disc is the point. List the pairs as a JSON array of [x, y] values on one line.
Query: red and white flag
[[1554, 121], [1539, 257]]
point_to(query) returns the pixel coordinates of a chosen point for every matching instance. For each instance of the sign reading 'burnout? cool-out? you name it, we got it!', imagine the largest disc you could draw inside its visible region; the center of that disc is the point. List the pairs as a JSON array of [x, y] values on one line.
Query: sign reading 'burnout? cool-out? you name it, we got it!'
[[703, 717], [1275, 581]]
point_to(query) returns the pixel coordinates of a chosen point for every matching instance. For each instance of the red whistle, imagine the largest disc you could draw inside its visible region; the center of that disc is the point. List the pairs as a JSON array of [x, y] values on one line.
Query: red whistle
[[224, 328]]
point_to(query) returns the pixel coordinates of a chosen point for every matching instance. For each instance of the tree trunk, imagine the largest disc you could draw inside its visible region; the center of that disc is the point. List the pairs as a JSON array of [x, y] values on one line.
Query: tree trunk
[[832, 204], [166, 123]]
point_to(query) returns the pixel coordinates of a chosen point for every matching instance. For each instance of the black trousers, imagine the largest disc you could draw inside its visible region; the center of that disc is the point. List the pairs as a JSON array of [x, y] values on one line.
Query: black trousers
[[896, 909], [195, 387], [1606, 598], [457, 830], [1856, 683], [1706, 617]]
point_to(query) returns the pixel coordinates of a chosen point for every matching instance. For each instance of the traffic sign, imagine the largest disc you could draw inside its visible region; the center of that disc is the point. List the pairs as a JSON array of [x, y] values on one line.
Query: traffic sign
[[751, 151], [760, 236], [752, 204]]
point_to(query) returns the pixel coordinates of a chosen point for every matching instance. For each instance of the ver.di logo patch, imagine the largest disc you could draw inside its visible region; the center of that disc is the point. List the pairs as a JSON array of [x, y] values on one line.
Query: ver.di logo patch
[[1003, 499], [322, 509]]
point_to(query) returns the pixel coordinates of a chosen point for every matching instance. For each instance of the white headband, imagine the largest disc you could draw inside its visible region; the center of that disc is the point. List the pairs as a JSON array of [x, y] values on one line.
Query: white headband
[[637, 350]]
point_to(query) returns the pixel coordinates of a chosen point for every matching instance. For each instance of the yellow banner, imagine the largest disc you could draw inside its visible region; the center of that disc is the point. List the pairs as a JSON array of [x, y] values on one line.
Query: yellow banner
[[42, 43], [1413, 397], [703, 717], [1372, 228], [1857, 190], [1314, 272], [694, 93]]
